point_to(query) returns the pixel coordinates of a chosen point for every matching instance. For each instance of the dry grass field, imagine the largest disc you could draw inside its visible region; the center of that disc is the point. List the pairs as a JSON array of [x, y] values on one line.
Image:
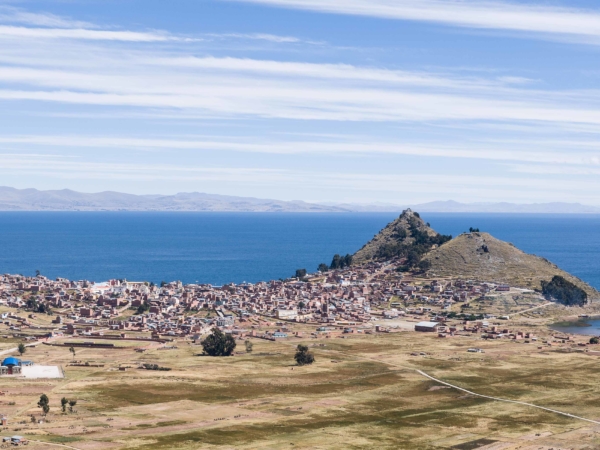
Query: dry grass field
[[362, 392]]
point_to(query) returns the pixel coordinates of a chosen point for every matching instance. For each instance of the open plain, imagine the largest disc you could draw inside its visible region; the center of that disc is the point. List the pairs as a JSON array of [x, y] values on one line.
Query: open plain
[[363, 391]]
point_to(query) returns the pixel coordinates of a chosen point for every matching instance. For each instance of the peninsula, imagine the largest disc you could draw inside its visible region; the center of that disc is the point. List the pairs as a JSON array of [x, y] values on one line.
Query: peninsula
[[415, 332]]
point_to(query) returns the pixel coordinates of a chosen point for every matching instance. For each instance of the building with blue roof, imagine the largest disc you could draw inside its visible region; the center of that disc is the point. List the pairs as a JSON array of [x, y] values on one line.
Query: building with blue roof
[[10, 366], [11, 361]]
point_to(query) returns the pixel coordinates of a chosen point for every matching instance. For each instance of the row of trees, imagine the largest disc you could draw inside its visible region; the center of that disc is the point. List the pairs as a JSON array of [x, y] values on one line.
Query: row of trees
[[65, 401], [44, 404], [338, 262]]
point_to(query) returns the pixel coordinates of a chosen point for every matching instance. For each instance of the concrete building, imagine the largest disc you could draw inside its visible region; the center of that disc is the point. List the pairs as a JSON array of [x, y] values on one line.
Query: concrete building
[[427, 326], [289, 314]]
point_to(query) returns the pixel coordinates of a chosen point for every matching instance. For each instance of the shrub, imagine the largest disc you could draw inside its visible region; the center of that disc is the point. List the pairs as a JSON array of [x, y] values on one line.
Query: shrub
[[303, 356], [155, 367]]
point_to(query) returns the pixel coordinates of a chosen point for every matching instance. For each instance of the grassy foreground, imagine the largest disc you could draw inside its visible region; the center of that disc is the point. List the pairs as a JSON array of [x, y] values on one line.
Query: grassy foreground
[[362, 392]]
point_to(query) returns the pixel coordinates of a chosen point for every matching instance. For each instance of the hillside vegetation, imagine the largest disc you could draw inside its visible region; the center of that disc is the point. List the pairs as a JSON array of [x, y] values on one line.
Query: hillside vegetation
[[483, 257], [563, 291], [407, 236]]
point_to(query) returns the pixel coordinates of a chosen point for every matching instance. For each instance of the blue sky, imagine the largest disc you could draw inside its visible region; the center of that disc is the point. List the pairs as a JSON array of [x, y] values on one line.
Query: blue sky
[[395, 101]]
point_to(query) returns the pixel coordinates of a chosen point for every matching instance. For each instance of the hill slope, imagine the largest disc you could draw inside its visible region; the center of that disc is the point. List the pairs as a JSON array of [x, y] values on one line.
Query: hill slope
[[408, 235], [481, 256]]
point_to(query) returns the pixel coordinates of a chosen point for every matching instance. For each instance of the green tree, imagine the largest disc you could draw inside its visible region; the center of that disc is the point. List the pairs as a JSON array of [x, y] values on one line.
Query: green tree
[[44, 403], [37, 273], [249, 346], [72, 404], [31, 303], [22, 349], [595, 340], [63, 403], [424, 265], [301, 305], [143, 308], [339, 262], [72, 350], [218, 344], [473, 230], [300, 273], [323, 268], [304, 356]]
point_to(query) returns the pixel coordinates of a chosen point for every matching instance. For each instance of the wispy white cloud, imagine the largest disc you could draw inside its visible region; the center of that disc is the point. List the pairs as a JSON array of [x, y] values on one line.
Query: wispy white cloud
[[256, 36], [86, 34], [592, 170], [244, 87], [541, 19], [10, 14], [100, 73], [490, 151]]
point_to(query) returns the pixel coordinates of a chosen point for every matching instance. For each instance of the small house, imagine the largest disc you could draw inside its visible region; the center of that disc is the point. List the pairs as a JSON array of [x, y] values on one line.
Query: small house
[[428, 327]]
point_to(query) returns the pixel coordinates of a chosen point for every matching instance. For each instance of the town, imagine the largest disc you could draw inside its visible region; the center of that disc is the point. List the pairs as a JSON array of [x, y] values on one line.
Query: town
[[375, 297], [72, 330], [352, 300]]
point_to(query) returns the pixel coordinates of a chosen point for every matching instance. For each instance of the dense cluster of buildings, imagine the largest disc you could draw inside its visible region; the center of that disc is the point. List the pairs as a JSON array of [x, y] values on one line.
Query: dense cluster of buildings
[[346, 297]]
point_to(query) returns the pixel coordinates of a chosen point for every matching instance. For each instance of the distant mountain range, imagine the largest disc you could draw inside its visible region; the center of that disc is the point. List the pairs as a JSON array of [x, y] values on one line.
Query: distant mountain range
[[12, 199], [67, 200]]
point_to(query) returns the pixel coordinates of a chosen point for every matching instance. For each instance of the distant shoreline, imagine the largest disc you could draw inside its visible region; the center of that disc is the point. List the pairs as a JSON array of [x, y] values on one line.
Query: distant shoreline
[[12, 199], [508, 213]]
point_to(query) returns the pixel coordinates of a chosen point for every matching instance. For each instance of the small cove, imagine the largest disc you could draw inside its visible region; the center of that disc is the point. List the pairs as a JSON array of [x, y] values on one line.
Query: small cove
[[587, 326]]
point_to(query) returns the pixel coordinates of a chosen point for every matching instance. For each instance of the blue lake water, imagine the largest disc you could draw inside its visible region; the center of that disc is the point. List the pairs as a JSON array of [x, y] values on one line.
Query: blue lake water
[[588, 327], [219, 248]]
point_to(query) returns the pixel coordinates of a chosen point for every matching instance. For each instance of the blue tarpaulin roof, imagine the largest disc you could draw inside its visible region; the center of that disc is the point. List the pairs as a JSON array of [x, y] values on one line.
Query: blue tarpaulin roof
[[10, 361]]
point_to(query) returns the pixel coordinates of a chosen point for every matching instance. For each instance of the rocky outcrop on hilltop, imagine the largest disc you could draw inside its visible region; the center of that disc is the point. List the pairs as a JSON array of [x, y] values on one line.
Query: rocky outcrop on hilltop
[[480, 256], [407, 236]]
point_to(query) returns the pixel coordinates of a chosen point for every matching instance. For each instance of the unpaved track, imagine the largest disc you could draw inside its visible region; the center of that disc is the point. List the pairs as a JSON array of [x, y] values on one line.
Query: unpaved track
[[498, 399], [534, 308], [505, 400], [52, 443]]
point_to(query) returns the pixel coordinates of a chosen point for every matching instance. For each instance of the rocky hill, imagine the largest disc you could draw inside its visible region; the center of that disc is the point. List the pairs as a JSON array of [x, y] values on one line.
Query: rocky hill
[[475, 255], [483, 257], [407, 236]]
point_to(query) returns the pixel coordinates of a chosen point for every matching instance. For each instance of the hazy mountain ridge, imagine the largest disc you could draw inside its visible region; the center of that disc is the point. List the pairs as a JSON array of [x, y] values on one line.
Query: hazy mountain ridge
[[12, 199], [67, 200]]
